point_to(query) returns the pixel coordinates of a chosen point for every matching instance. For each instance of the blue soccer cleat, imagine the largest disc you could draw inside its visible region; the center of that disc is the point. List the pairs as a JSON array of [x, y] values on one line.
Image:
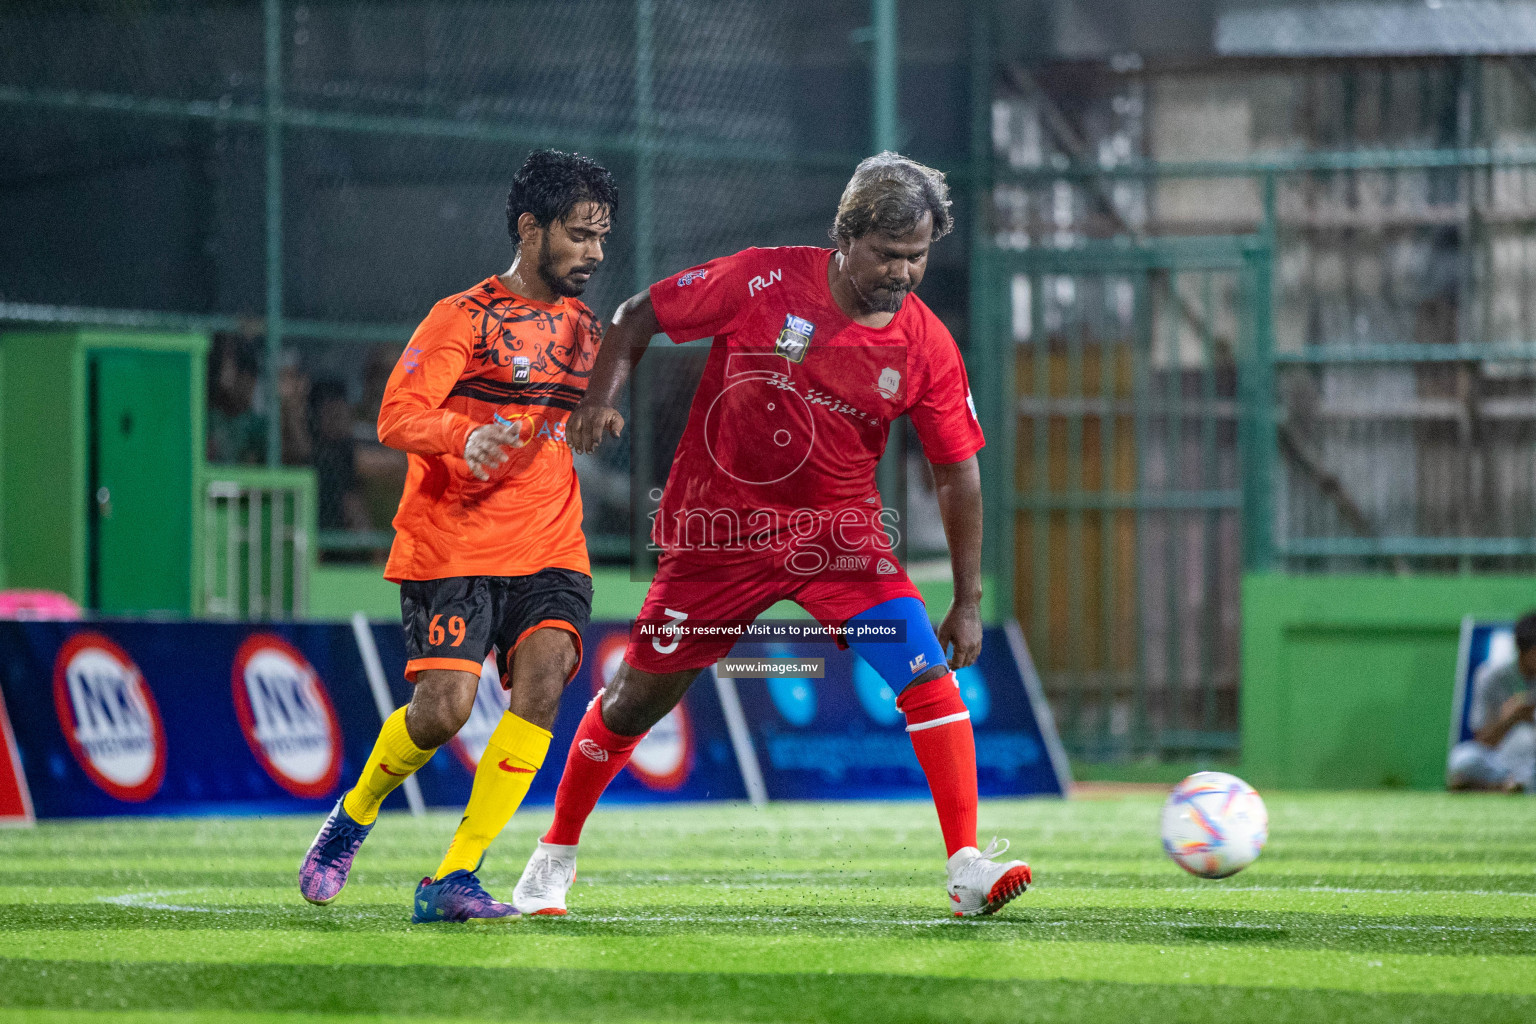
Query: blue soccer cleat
[[458, 896], [323, 871]]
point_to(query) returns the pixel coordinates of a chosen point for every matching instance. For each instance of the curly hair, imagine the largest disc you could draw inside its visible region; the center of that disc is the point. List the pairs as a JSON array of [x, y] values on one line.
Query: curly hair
[[889, 193], [550, 184]]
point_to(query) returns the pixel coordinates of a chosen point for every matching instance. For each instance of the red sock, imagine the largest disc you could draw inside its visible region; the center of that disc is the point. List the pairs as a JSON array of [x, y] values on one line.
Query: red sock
[[597, 754], [940, 729]]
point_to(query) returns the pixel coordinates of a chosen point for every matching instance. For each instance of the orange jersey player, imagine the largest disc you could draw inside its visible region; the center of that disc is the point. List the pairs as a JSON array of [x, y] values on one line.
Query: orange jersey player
[[489, 356], [488, 549]]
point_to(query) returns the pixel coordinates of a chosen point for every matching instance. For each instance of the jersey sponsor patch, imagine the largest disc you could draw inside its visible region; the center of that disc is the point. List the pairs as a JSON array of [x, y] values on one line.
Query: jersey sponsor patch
[[521, 367], [795, 338], [692, 276], [885, 567]]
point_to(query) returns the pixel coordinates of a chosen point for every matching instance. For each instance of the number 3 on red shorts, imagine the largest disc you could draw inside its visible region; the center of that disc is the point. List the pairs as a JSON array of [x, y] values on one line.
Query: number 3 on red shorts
[[671, 629]]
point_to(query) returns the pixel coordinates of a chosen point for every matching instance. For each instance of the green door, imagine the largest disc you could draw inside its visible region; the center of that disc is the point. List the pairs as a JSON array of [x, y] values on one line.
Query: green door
[[140, 557]]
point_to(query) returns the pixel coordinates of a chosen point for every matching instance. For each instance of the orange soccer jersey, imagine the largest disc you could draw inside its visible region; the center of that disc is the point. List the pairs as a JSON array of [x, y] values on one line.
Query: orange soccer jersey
[[482, 354]]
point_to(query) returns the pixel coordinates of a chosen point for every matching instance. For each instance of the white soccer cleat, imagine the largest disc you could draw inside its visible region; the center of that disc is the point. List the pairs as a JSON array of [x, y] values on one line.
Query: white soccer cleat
[[980, 885], [546, 880]]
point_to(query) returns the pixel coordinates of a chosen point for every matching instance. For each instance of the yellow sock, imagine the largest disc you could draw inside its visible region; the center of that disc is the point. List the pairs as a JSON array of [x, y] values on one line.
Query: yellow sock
[[514, 754], [393, 760]]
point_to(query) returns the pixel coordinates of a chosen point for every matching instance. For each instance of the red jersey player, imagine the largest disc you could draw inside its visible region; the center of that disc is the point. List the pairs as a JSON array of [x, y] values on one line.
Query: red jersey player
[[772, 496]]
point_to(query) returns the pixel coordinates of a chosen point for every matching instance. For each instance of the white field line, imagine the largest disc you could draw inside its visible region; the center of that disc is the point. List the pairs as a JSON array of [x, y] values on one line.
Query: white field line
[[151, 901], [1005, 923], [1343, 890], [747, 881], [754, 880]]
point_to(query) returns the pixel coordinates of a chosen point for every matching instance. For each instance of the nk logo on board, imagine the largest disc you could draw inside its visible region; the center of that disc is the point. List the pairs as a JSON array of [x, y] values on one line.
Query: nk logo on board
[[109, 717], [286, 715]]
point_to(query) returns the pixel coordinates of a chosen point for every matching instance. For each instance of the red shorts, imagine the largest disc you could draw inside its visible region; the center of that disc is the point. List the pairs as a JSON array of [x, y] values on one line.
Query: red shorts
[[693, 588]]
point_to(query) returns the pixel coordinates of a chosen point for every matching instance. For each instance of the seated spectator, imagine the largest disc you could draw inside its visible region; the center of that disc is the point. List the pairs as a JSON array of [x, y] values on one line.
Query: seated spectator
[[1502, 753], [344, 463], [237, 432], [334, 455], [293, 410]]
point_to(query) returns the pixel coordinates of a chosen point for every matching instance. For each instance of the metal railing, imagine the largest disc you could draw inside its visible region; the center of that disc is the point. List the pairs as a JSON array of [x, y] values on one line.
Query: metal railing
[[258, 529], [1347, 375]]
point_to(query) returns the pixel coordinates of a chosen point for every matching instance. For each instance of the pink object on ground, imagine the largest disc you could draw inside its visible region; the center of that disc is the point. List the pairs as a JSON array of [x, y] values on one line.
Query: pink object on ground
[[37, 604]]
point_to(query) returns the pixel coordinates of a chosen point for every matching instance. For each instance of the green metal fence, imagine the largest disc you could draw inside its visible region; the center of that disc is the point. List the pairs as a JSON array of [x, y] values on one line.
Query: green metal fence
[[1312, 354], [1169, 421], [1124, 379], [311, 129]]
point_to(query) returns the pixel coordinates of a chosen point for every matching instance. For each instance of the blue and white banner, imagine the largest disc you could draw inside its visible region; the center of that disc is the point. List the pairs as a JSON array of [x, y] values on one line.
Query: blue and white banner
[[687, 756], [125, 717], [841, 737], [129, 717]]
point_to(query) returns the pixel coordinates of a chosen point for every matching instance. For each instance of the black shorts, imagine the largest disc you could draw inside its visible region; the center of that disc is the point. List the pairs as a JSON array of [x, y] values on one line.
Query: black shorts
[[454, 623]]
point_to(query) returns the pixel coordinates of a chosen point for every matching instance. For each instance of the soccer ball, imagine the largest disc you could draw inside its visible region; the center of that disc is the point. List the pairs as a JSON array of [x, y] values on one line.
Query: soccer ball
[[1214, 824]]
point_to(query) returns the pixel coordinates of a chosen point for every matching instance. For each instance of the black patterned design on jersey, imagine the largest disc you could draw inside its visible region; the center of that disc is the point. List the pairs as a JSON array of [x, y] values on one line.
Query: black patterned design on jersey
[[495, 343], [577, 357], [549, 393], [492, 317]]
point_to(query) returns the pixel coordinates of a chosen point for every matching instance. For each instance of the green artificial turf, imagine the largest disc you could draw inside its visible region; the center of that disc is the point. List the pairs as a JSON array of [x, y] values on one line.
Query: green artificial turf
[[1365, 907]]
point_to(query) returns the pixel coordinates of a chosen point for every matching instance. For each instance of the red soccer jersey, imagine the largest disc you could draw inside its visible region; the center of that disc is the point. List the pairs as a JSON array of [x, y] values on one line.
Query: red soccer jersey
[[796, 400]]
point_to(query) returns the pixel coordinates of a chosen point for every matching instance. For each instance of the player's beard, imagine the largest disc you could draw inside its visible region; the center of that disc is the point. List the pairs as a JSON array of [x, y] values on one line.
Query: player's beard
[[880, 300], [567, 286]]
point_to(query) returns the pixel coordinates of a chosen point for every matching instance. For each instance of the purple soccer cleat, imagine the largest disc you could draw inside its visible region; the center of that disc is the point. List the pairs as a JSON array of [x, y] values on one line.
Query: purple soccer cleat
[[323, 871], [458, 896]]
